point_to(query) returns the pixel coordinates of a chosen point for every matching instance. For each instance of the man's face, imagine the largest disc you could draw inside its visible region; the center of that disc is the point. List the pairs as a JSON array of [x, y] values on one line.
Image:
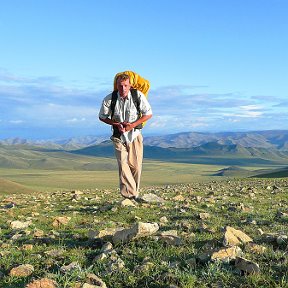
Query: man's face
[[123, 87]]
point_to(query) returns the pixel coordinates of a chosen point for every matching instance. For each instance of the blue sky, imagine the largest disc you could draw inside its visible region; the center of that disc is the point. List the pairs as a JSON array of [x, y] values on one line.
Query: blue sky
[[213, 65]]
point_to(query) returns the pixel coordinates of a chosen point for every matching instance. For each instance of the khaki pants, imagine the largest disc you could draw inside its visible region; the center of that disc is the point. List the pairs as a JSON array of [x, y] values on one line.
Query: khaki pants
[[129, 160]]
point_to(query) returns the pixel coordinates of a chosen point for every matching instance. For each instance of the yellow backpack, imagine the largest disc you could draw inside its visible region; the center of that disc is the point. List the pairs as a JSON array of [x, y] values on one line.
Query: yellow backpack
[[136, 81]]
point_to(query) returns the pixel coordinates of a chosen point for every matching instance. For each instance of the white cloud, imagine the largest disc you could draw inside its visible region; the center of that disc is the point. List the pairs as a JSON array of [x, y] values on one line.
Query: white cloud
[[76, 120], [251, 107], [16, 121]]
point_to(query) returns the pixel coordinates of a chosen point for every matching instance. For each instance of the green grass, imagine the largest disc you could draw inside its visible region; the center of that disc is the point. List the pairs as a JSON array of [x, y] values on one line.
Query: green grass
[[154, 173], [99, 208]]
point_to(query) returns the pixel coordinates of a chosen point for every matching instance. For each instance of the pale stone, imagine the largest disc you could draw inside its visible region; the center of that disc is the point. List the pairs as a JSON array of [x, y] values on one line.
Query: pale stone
[[204, 216], [256, 249], [38, 233], [61, 220], [95, 280], [127, 203], [152, 198], [246, 265], [24, 270], [20, 225], [171, 240], [42, 283], [168, 233], [235, 237], [27, 247], [103, 234], [100, 257], [144, 267], [107, 247], [179, 198], [138, 230], [70, 267], [226, 254], [55, 253], [163, 220]]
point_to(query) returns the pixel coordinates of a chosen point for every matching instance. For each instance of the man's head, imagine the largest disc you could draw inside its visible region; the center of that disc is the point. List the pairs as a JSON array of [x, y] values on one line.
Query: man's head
[[123, 84]]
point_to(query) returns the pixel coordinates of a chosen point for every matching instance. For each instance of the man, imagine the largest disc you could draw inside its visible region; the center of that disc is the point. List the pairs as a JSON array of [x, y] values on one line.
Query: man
[[127, 139]]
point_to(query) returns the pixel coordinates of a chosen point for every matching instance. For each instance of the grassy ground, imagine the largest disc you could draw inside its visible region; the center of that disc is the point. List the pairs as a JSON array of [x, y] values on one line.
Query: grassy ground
[[154, 173], [244, 204]]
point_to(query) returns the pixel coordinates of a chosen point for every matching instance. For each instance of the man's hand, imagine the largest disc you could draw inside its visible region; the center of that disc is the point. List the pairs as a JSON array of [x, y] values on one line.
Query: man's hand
[[127, 126], [120, 127]]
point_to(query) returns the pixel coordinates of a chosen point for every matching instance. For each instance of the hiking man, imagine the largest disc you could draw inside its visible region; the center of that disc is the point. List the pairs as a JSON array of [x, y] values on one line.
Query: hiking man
[[126, 117]]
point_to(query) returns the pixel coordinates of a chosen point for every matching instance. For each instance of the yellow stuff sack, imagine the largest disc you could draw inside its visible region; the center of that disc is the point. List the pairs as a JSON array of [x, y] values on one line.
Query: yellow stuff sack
[[136, 81]]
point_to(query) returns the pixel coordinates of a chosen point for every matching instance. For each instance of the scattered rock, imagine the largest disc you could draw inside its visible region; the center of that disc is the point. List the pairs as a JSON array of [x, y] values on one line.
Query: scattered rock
[[38, 233], [152, 198], [61, 220], [70, 267], [246, 266], [138, 230], [128, 203], [255, 248], [55, 253], [163, 220], [20, 225], [145, 267], [23, 270], [226, 254], [42, 283], [204, 216], [179, 198], [170, 238], [92, 279], [105, 234], [233, 237], [27, 247]]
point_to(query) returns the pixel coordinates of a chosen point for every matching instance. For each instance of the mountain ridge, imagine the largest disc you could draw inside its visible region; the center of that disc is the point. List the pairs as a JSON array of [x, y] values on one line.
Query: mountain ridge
[[260, 139]]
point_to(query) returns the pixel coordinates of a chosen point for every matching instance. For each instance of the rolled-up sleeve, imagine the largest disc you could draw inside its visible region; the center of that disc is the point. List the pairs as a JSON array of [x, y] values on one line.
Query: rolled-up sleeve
[[105, 110]]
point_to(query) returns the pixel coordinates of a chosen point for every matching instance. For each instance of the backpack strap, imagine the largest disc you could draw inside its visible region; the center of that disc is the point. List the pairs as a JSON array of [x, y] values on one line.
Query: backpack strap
[[114, 98], [113, 102], [136, 102]]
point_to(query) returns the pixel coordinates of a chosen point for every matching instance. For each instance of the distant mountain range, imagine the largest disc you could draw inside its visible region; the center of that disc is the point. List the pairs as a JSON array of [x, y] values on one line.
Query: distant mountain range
[[230, 149], [261, 139], [275, 139]]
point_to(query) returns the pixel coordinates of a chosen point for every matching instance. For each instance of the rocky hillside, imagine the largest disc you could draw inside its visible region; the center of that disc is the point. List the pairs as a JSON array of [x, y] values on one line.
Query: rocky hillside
[[228, 234]]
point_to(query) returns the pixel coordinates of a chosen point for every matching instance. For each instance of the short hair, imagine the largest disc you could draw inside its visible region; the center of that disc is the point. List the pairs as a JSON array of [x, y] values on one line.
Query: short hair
[[122, 77]]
